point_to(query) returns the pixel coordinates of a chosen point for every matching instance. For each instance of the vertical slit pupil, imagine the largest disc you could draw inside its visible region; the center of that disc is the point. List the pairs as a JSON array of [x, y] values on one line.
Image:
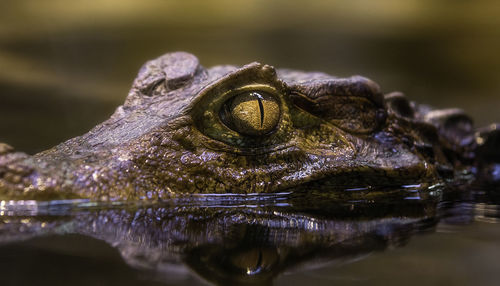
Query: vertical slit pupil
[[261, 107], [259, 261]]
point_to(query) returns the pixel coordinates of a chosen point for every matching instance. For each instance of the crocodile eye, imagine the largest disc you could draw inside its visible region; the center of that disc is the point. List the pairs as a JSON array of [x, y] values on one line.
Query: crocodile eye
[[251, 113]]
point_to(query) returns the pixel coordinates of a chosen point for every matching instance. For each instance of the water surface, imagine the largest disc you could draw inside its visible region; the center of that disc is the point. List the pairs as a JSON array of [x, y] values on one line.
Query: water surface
[[412, 235]]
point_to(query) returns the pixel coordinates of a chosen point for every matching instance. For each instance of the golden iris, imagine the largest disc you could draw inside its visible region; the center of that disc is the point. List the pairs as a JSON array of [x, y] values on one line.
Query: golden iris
[[251, 113]]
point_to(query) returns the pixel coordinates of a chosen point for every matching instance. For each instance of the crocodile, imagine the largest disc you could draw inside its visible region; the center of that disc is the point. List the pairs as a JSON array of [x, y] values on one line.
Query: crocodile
[[186, 129]]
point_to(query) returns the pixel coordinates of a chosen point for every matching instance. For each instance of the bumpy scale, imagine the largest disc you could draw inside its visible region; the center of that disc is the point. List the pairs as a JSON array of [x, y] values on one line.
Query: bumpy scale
[[185, 129]]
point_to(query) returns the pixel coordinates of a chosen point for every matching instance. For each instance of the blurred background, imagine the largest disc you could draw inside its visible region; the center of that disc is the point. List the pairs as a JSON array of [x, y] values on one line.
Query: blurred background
[[66, 65]]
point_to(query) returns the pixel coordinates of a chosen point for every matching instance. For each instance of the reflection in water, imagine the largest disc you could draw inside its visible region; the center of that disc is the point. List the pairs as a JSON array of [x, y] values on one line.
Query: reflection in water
[[230, 239], [239, 239]]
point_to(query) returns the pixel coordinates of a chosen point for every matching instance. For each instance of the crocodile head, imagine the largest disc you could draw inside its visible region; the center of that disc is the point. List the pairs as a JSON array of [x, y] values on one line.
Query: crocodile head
[[250, 129]]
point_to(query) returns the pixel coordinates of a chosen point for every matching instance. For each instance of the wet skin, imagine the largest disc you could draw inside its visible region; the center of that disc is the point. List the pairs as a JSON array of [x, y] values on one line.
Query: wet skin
[[184, 129]]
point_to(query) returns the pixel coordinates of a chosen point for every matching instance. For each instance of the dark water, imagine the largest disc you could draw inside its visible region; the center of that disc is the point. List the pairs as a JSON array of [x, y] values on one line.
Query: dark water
[[65, 67], [414, 235]]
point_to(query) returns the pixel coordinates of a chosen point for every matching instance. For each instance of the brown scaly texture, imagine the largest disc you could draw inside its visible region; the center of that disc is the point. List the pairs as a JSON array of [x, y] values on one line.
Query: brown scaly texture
[[168, 139]]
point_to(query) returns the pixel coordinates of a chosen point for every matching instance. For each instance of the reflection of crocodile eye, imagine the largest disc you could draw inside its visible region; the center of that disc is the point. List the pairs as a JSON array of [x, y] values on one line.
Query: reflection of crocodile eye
[[251, 113], [254, 261]]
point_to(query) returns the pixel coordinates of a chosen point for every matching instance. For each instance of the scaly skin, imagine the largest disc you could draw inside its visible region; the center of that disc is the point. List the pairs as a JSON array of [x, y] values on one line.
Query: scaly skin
[[168, 138]]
